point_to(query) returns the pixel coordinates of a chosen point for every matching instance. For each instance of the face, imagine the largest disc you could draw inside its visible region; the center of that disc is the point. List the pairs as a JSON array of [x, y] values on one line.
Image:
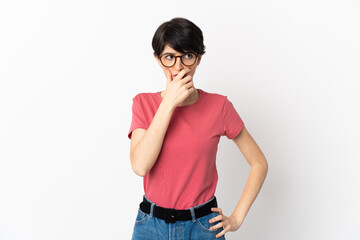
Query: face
[[178, 66]]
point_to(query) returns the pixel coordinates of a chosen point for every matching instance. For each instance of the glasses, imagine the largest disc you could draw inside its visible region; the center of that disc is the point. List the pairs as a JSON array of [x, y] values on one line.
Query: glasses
[[168, 59]]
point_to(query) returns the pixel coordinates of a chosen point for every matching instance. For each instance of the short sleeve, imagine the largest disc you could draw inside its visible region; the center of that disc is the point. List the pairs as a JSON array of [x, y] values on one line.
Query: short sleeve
[[232, 123], [138, 118]]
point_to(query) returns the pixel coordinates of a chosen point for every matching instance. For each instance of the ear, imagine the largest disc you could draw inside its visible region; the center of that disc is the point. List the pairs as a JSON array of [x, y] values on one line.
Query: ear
[[199, 59], [158, 60]]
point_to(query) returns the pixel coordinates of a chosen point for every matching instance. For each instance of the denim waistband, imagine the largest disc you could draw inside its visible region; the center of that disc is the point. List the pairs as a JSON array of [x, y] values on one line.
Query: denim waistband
[[185, 209]]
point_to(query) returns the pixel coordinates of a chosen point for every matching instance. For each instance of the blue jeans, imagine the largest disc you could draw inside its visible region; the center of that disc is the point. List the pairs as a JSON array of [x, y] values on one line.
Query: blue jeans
[[148, 227]]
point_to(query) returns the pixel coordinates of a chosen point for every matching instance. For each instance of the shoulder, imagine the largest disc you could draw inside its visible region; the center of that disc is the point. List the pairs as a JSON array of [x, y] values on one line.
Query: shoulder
[[144, 96], [215, 98], [148, 101]]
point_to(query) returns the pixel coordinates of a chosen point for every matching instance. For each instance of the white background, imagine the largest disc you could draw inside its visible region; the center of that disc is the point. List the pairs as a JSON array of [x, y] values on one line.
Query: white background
[[69, 70]]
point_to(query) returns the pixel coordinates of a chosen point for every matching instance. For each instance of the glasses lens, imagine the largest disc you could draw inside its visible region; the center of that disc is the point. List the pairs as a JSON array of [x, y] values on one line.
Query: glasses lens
[[188, 59], [167, 60]]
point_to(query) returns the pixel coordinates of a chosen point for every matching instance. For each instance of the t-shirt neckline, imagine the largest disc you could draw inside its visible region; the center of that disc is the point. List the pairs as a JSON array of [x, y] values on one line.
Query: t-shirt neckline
[[198, 100]]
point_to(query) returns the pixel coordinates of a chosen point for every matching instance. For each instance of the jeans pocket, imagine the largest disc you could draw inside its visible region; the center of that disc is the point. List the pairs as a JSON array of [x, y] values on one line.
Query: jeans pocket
[[141, 217], [204, 224]]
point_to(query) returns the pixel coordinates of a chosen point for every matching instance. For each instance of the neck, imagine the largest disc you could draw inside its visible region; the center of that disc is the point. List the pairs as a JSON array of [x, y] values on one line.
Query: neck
[[191, 98]]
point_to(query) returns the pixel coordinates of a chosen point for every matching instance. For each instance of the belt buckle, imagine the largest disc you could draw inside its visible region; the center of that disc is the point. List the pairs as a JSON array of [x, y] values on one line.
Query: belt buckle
[[170, 215]]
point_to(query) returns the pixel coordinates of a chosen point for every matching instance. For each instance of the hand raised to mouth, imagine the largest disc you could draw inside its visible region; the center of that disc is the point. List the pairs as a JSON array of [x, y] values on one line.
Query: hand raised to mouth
[[178, 88]]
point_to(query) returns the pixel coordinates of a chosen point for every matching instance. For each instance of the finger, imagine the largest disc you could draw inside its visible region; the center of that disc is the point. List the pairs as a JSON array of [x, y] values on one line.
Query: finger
[[215, 219], [189, 84], [182, 73], [221, 233], [168, 76], [219, 225], [186, 79], [216, 210]]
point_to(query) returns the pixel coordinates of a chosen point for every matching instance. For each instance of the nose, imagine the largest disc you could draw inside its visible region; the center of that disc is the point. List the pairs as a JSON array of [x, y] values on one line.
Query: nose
[[178, 64]]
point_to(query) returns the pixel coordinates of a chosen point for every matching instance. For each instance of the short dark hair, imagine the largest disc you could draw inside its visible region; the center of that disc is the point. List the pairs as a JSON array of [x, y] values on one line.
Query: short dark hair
[[180, 34]]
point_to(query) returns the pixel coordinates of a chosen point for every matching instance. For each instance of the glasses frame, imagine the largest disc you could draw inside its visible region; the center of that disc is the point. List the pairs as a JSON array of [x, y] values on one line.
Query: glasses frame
[[196, 56]]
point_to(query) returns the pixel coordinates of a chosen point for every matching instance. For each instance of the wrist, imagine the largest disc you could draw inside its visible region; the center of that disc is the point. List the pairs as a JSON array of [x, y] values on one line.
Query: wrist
[[238, 220], [168, 106]]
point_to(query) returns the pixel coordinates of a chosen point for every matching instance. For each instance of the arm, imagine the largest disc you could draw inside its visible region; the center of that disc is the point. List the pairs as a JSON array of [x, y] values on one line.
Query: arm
[[259, 168], [146, 144]]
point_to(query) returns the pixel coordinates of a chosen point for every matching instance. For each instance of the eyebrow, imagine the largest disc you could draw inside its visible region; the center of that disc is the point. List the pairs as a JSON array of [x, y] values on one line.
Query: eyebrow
[[174, 53], [169, 53]]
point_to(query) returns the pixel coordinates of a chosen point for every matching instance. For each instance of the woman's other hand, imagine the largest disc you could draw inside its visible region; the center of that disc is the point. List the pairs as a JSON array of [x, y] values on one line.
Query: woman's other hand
[[229, 223]]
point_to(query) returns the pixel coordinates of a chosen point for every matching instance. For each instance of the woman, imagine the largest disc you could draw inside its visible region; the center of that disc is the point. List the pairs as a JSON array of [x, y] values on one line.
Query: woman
[[174, 136]]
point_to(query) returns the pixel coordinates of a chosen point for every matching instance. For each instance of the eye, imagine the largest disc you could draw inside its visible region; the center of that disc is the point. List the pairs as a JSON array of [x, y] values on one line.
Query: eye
[[189, 55], [169, 57]]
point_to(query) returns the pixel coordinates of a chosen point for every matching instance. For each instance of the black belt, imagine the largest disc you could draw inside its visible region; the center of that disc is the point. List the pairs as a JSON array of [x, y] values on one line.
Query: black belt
[[171, 215]]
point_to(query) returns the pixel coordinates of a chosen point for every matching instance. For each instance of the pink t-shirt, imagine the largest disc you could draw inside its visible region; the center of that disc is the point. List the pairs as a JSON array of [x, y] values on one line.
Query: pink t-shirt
[[185, 174]]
